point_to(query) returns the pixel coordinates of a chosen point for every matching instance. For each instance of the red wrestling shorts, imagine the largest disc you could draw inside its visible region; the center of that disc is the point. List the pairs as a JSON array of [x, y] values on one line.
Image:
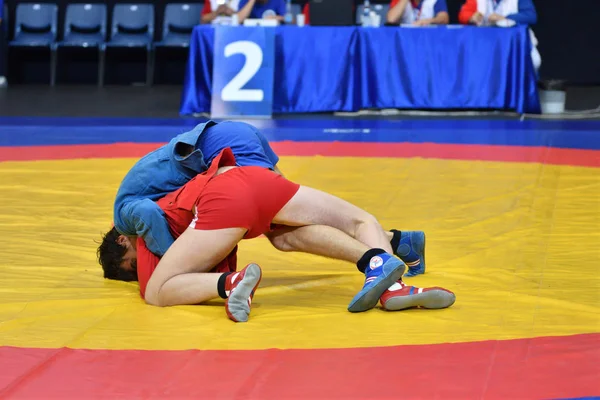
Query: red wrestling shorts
[[243, 197]]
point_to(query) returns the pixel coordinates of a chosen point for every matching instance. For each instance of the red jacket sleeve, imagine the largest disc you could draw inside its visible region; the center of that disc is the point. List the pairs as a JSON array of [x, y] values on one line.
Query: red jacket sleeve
[[306, 12], [466, 11], [146, 264], [207, 8]]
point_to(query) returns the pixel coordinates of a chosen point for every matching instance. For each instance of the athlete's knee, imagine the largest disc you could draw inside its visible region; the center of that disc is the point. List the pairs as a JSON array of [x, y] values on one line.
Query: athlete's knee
[[157, 302], [282, 240], [366, 220], [153, 296], [153, 301]]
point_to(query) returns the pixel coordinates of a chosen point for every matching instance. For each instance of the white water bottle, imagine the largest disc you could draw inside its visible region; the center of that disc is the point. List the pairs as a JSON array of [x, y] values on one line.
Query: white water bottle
[[366, 14]]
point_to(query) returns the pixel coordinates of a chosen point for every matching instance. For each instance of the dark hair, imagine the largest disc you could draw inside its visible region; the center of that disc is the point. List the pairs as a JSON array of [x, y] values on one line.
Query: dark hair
[[110, 256]]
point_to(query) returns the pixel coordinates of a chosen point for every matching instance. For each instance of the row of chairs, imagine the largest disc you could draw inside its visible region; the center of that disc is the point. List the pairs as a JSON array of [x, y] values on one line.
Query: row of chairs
[[132, 26], [85, 26]]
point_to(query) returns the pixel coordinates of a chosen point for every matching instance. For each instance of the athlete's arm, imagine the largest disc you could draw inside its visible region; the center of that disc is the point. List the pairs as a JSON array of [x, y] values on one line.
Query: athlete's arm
[[146, 264], [150, 223]]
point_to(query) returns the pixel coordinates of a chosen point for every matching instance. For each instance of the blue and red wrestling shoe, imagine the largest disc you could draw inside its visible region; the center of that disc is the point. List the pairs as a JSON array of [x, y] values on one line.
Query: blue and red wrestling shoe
[[401, 296]]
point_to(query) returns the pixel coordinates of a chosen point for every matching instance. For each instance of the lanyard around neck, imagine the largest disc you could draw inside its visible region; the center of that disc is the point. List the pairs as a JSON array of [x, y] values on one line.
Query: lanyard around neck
[[417, 8]]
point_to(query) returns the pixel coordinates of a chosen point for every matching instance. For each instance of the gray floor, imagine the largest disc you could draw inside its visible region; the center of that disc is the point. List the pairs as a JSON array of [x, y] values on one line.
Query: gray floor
[[90, 101], [164, 101]]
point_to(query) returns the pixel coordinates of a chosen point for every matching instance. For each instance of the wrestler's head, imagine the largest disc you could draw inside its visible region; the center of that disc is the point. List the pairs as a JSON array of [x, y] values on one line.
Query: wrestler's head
[[118, 257]]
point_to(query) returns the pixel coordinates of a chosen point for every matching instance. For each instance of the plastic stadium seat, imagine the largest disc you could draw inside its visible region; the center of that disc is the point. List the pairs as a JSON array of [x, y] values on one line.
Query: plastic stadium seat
[[179, 21], [178, 24], [36, 26], [133, 26], [85, 26]]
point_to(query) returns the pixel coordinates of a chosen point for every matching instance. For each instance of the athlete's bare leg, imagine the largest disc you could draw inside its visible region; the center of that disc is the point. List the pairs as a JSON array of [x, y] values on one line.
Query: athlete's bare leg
[[313, 207], [186, 263], [319, 240]]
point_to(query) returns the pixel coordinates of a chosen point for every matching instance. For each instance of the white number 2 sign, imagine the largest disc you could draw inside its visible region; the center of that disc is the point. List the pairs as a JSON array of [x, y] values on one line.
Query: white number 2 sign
[[254, 57], [243, 72]]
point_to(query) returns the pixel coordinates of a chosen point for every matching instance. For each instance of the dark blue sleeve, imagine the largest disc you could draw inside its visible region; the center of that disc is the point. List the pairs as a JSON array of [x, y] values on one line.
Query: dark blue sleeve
[[274, 158], [440, 6], [241, 4], [280, 7], [526, 15], [150, 224]]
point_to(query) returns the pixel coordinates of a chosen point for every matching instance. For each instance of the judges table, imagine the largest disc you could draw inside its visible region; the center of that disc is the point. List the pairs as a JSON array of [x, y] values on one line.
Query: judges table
[[324, 69]]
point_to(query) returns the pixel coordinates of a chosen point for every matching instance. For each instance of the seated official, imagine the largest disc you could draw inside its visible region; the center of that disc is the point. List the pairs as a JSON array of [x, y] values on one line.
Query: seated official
[[219, 11], [418, 12], [261, 9], [494, 12], [488, 12]]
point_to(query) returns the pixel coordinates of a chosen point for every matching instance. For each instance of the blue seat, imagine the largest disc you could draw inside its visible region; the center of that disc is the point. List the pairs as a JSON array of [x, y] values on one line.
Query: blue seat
[[133, 26], [178, 24], [36, 26], [85, 26], [179, 21]]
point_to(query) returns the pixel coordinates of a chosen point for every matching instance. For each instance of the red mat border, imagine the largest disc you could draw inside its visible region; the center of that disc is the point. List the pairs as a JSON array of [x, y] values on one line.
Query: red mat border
[[545, 155], [544, 367]]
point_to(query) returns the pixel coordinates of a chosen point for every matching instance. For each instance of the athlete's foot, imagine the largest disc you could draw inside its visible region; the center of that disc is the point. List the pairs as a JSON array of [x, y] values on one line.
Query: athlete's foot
[[401, 296], [382, 272], [411, 250], [241, 287]]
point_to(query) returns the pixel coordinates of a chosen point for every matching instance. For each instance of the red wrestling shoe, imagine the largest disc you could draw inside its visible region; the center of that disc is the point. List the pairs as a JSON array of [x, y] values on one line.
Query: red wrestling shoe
[[240, 288], [400, 296]]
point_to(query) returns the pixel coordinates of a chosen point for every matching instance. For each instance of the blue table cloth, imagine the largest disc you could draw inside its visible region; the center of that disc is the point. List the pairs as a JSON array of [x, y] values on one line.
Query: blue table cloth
[[324, 69]]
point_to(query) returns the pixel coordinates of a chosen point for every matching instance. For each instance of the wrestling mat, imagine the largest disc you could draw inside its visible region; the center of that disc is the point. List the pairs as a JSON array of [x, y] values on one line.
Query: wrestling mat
[[511, 210]]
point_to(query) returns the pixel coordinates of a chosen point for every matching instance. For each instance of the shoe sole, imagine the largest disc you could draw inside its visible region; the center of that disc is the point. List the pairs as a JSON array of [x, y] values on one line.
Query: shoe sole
[[421, 252], [369, 298], [238, 308], [433, 299]]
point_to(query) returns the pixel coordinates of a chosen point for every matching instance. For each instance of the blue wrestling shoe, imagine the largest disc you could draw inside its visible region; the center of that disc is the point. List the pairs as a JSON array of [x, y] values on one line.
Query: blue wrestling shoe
[[411, 250], [383, 270]]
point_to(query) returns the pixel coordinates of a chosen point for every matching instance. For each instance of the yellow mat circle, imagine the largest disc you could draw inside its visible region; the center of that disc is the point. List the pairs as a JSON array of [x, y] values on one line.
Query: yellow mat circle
[[518, 243]]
